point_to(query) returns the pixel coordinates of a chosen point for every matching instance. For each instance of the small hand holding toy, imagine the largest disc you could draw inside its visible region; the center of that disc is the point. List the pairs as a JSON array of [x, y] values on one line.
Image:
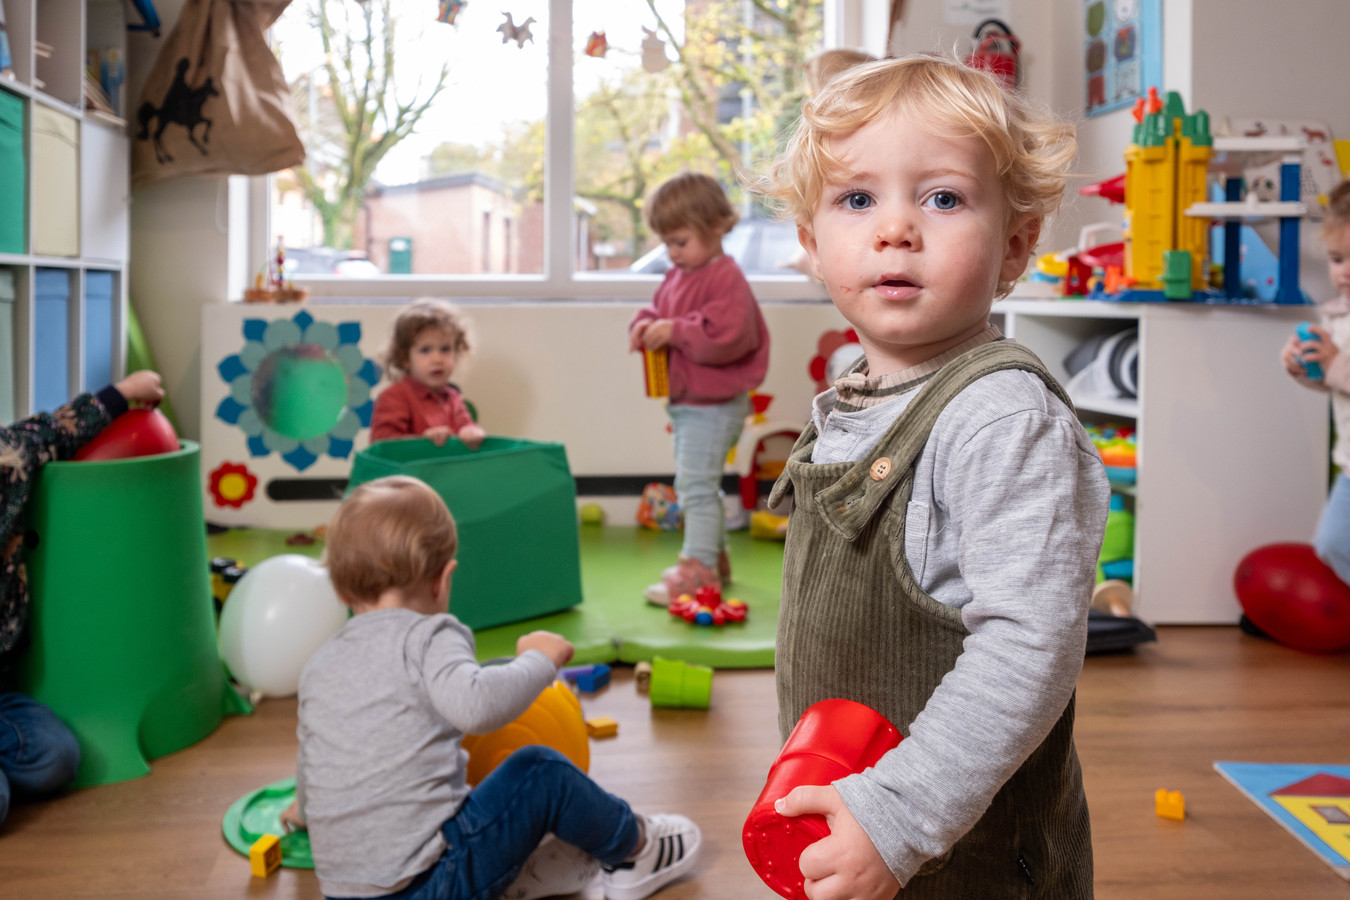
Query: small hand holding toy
[[706, 607], [1311, 359]]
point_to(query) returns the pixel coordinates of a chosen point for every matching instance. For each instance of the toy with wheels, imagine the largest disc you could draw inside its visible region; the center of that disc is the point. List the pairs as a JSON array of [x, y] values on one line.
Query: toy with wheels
[[833, 739], [1294, 597], [554, 719], [281, 611], [137, 432]]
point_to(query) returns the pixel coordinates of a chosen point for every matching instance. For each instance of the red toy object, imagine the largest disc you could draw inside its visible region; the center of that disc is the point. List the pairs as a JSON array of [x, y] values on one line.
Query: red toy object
[[137, 432], [1294, 597], [706, 607], [832, 739]]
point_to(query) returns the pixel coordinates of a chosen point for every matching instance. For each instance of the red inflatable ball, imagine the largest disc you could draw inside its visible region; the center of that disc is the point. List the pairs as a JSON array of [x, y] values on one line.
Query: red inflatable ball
[[1294, 597], [137, 432]]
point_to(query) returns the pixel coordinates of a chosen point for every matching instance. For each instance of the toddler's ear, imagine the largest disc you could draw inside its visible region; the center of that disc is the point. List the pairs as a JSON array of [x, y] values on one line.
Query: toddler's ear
[[1023, 233], [806, 236]]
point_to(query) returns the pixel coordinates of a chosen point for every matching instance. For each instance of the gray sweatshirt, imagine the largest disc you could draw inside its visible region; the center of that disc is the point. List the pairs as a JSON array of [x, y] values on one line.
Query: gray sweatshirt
[[383, 708], [1005, 523]]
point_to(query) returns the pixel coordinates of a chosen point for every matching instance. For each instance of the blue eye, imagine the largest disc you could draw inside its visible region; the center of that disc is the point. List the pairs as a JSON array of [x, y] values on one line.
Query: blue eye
[[857, 200], [944, 200]]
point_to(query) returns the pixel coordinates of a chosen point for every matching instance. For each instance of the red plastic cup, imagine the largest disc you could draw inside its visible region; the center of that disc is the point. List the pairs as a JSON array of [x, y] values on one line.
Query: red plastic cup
[[137, 432], [832, 740]]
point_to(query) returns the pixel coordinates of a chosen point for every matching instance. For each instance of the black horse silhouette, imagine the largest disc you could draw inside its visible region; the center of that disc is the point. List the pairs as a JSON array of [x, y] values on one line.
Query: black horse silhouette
[[183, 105]]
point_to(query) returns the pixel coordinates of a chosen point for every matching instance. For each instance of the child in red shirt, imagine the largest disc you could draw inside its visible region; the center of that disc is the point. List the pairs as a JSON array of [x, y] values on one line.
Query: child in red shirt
[[429, 338], [707, 318]]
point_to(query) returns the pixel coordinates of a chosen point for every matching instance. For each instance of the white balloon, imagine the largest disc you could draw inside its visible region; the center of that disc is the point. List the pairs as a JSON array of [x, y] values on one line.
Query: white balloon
[[275, 618]]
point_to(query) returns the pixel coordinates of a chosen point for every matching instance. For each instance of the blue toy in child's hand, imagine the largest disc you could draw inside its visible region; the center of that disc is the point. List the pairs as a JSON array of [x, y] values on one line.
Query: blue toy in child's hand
[[1312, 369]]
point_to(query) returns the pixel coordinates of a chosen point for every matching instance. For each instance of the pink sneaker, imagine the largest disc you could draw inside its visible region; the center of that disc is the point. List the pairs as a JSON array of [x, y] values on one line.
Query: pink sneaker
[[685, 577]]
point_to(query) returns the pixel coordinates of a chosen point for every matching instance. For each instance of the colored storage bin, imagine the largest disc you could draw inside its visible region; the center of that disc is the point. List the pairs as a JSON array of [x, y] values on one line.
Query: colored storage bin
[[123, 636], [13, 175], [7, 359], [51, 339], [56, 183], [514, 503], [99, 304]]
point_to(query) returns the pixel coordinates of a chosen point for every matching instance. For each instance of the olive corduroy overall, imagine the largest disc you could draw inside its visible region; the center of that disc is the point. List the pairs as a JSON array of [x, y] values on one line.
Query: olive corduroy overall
[[854, 623]]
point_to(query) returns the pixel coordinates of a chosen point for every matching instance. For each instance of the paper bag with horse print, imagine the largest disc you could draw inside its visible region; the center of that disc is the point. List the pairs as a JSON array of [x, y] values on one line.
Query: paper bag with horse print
[[216, 102]]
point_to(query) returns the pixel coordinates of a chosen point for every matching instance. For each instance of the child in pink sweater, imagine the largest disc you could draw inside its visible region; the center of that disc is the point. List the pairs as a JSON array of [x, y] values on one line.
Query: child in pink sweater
[[709, 321]]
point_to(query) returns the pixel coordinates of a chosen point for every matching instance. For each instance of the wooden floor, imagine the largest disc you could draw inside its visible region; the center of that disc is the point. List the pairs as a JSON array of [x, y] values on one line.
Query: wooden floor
[[1158, 717]]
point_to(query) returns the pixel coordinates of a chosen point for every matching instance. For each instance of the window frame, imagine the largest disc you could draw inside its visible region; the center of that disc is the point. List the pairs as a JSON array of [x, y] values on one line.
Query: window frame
[[844, 21]]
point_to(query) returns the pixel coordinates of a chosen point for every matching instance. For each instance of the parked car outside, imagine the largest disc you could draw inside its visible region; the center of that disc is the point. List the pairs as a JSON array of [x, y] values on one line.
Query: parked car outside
[[759, 246]]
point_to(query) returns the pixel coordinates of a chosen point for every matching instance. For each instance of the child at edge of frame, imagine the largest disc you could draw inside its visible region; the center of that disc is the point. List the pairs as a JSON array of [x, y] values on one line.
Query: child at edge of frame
[[947, 505], [1330, 337], [383, 708], [38, 753], [705, 315]]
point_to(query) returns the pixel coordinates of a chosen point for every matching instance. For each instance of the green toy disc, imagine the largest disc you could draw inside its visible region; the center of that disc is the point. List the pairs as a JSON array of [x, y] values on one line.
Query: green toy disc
[[258, 813]]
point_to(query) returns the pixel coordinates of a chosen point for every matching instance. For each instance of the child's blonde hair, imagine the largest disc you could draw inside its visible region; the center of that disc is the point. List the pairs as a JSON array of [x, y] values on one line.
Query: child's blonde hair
[[411, 321], [390, 533], [1032, 152], [822, 68], [1338, 208], [690, 200]]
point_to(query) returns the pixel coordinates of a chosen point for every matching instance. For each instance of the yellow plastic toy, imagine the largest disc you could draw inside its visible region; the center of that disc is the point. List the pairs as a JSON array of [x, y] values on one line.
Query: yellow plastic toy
[[1170, 804], [554, 720], [602, 727], [265, 855]]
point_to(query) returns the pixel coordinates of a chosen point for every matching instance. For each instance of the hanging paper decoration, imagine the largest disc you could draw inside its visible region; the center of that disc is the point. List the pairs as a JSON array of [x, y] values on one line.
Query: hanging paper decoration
[[653, 52], [513, 32], [449, 9], [597, 45]]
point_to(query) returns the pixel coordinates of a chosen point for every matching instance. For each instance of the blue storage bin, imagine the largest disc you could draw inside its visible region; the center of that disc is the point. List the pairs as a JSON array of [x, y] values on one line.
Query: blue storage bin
[[51, 343], [13, 175], [98, 329]]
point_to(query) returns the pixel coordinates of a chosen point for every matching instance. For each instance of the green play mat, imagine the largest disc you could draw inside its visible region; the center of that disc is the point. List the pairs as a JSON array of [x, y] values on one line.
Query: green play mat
[[614, 623], [258, 813]]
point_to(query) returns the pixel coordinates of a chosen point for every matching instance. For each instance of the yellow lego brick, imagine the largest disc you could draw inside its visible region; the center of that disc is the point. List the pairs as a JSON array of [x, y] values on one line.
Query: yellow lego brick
[[264, 857], [1170, 804], [656, 367], [601, 727]]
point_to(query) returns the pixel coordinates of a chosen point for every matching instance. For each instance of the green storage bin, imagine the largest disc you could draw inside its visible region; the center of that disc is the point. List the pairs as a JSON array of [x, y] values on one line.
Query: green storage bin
[[13, 174], [123, 642], [514, 503]]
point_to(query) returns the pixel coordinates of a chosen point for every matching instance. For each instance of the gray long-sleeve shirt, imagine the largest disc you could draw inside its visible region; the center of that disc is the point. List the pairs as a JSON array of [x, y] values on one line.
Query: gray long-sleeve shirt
[[1005, 523], [383, 708]]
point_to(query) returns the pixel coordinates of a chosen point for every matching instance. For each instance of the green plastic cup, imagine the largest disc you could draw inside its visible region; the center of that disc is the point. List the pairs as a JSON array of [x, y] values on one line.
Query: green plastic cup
[[680, 684]]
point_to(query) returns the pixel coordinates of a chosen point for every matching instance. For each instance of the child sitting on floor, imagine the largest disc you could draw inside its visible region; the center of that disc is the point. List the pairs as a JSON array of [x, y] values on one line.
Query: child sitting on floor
[[384, 705]]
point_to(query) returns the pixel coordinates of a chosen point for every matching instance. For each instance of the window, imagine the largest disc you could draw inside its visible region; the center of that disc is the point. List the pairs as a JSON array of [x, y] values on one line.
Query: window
[[450, 154]]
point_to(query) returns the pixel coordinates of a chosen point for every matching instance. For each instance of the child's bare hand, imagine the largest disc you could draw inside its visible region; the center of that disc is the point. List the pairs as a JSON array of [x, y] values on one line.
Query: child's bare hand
[[438, 434], [556, 647], [635, 335], [1321, 351], [845, 865], [291, 819], [141, 388], [657, 334], [472, 435], [1289, 356]]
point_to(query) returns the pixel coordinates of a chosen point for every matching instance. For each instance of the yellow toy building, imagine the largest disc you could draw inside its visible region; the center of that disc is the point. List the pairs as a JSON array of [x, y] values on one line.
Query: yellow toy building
[[265, 855], [1165, 174]]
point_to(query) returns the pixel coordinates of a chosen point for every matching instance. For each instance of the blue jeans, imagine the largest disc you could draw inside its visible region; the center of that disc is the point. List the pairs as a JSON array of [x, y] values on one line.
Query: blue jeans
[[1332, 542], [536, 790], [703, 437], [38, 754]]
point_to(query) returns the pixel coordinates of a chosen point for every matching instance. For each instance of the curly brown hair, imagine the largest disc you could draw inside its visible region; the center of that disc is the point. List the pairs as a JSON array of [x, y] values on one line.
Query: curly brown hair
[[415, 318]]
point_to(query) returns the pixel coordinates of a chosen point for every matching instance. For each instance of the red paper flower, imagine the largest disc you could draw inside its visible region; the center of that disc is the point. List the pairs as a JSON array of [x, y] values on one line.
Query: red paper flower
[[232, 485], [829, 342]]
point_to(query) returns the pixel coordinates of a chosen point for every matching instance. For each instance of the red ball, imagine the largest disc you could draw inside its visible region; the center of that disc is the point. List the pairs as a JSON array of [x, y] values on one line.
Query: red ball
[[137, 432], [1294, 597]]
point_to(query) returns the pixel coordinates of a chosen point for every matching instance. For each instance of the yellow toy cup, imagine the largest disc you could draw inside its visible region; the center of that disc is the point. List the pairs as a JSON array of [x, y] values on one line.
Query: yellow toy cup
[[680, 684], [553, 720]]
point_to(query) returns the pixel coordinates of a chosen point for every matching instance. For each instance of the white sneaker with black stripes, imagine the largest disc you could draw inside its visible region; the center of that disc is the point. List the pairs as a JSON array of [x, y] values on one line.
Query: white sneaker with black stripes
[[670, 851]]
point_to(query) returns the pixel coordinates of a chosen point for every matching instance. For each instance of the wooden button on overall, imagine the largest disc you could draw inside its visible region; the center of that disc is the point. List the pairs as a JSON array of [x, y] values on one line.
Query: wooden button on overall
[[880, 469]]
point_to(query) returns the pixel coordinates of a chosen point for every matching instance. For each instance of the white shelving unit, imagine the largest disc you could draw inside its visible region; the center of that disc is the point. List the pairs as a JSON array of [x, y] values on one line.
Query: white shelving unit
[[64, 203], [1232, 453]]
